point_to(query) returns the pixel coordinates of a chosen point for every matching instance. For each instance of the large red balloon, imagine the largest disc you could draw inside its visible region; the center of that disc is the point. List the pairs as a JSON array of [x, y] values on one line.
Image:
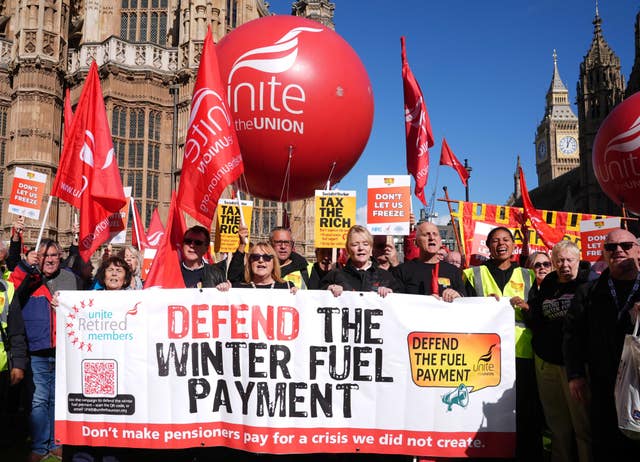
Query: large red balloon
[[616, 154], [295, 86]]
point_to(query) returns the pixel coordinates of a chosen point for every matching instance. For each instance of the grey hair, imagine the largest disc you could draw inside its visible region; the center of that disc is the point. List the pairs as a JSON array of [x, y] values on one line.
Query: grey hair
[[562, 246]]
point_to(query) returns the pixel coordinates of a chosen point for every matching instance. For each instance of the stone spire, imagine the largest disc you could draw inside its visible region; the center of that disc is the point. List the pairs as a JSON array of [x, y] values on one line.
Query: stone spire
[[558, 106], [634, 78], [321, 11]]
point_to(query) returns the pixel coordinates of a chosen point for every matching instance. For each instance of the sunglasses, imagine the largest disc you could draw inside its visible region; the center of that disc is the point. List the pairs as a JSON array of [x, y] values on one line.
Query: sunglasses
[[612, 246], [542, 264], [254, 257], [196, 242]]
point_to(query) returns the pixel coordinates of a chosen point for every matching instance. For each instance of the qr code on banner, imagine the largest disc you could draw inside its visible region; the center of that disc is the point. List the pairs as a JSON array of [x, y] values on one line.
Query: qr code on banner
[[100, 378]]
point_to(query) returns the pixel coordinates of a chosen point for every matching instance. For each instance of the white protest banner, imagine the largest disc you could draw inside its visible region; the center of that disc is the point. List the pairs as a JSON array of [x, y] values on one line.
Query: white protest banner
[[26, 193], [271, 372], [388, 204]]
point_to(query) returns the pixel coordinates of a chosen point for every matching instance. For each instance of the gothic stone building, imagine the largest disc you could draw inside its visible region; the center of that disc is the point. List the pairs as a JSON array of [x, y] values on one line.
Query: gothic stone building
[[565, 171], [148, 53]]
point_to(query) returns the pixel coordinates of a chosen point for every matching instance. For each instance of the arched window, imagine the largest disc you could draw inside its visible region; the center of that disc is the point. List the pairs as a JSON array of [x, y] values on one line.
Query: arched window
[[144, 21]]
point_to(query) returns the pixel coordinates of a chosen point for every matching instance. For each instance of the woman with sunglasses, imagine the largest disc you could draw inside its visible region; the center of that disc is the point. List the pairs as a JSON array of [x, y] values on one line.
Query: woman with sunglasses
[[360, 273], [567, 419], [262, 271], [541, 265]]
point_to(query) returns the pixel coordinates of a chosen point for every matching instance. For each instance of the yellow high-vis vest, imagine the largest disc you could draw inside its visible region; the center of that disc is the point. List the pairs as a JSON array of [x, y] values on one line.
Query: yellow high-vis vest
[[6, 295], [518, 286]]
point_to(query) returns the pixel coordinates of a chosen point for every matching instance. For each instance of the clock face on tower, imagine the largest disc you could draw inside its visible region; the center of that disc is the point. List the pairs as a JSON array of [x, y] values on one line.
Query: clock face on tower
[[542, 150], [568, 145]]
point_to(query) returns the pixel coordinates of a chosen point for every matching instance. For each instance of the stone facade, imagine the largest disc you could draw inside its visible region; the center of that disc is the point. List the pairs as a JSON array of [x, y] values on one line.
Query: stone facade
[[148, 53]]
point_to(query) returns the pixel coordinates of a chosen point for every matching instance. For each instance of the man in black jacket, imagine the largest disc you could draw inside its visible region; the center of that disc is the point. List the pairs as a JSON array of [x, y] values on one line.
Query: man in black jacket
[[602, 313], [195, 272], [427, 275]]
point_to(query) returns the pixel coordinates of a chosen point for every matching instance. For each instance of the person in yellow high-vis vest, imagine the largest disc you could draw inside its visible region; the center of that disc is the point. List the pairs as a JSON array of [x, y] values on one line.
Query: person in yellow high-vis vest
[[501, 277]]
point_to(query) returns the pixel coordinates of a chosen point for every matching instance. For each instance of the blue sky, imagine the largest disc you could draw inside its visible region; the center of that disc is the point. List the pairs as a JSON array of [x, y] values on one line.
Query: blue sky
[[484, 69]]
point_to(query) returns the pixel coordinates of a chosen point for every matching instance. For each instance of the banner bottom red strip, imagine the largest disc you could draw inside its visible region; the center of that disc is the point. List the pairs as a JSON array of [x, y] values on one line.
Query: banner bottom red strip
[[286, 440]]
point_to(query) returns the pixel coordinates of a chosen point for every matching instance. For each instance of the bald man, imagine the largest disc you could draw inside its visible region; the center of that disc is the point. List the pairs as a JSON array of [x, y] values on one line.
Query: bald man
[[602, 313], [417, 276]]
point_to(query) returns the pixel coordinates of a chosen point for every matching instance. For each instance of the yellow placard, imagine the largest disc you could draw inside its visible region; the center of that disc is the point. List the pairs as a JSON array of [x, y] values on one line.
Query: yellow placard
[[441, 359], [228, 223], [335, 214]]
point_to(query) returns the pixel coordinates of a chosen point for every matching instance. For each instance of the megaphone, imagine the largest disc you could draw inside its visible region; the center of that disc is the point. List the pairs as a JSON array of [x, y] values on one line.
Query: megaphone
[[459, 396]]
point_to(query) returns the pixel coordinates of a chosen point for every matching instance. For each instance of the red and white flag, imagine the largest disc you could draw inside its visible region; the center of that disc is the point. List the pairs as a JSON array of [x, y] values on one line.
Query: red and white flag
[[138, 236], [212, 158], [417, 128], [447, 157], [165, 270], [155, 231], [550, 236], [68, 113], [88, 177]]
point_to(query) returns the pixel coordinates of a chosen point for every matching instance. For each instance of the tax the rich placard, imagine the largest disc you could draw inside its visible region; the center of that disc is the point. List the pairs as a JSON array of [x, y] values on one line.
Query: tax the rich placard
[[26, 193], [269, 371], [228, 221], [388, 204], [593, 234], [335, 214]]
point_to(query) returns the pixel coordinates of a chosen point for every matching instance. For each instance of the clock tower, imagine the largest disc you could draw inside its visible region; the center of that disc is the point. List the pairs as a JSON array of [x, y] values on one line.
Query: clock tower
[[556, 144]]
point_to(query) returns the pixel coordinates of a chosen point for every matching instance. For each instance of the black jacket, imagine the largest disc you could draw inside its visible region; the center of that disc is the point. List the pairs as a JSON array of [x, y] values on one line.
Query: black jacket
[[548, 307], [350, 278], [211, 276], [594, 333], [415, 277], [298, 263]]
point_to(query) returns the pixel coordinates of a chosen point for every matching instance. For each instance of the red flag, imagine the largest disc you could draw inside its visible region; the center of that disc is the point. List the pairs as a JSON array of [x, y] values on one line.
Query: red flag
[[138, 236], [417, 127], [447, 157], [165, 270], [97, 192], [550, 236], [155, 231], [212, 158], [68, 113]]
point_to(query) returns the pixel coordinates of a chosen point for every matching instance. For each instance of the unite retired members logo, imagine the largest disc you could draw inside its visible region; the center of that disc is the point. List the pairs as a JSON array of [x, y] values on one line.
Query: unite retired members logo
[[616, 154]]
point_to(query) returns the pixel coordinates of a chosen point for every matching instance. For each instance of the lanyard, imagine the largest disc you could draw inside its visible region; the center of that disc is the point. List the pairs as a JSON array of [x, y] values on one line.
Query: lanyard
[[634, 289]]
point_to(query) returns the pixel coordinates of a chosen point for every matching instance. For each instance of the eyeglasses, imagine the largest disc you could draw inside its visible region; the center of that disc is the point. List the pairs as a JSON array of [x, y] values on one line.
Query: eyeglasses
[[254, 257], [542, 264], [285, 243], [196, 242], [612, 246]]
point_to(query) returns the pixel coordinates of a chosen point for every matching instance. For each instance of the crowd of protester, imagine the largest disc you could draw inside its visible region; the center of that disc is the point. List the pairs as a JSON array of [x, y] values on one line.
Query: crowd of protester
[[570, 322]]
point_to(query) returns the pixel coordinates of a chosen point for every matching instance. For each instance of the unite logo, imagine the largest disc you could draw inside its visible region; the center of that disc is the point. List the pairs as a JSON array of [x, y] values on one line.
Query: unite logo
[[154, 238], [416, 117], [87, 325], [207, 134], [622, 169], [273, 104]]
